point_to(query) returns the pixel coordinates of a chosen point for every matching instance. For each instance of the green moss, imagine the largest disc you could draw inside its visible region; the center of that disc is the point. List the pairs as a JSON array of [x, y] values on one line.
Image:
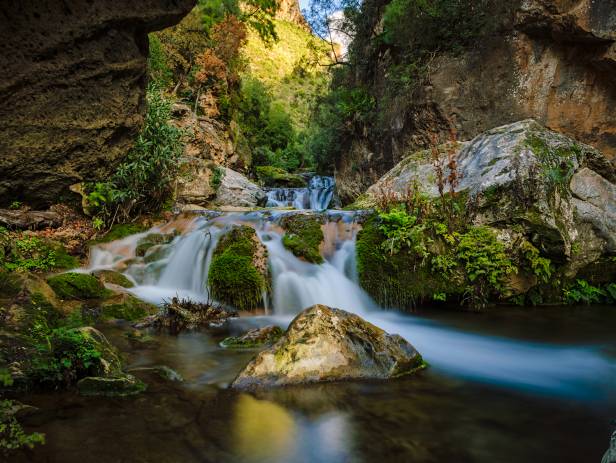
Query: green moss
[[303, 236], [276, 177], [120, 231], [10, 284], [233, 277], [250, 341], [128, 308], [35, 254], [77, 286], [116, 278]]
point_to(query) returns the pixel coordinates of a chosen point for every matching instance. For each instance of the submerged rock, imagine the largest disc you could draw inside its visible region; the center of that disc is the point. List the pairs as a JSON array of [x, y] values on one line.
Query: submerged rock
[[254, 338], [111, 387], [113, 277], [325, 344]]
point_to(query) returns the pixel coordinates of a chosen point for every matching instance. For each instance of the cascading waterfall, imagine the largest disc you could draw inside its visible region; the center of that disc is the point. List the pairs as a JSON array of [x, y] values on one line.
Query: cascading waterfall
[[317, 196], [181, 268]]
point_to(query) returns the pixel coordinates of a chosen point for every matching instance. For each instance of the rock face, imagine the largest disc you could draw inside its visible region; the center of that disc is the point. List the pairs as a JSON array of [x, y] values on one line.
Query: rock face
[[72, 86], [289, 10], [236, 190], [325, 344], [557, 191], [551, 60]]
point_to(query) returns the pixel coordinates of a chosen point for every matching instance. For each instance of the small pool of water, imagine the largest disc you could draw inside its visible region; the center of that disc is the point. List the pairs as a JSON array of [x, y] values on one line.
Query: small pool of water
[[437, 416]]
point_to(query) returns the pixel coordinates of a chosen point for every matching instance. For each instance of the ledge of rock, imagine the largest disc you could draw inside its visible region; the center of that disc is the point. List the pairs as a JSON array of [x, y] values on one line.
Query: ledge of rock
[[72, 86], [325, 344]]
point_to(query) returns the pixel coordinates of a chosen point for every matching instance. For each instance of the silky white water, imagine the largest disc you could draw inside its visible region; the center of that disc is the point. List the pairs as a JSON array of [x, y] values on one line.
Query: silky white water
[[317, 196], [181, 268]]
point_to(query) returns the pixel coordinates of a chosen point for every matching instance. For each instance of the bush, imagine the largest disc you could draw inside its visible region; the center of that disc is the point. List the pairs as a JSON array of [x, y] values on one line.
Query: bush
[[12, 434], [143, 182]]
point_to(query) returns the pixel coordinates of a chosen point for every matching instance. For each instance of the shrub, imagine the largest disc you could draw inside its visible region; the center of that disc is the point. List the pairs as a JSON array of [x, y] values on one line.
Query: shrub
[[584, 292], [12, 434], [143, 182]]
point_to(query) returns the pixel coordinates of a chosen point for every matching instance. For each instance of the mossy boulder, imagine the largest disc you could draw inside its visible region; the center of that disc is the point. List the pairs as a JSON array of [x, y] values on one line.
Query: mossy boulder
[[127, 307], [326, 344], [238, 274], [271, 176], [77, 286], [114, 278], [254, 338], [303, 236], [121, 386], [25, 252], [151, 240]]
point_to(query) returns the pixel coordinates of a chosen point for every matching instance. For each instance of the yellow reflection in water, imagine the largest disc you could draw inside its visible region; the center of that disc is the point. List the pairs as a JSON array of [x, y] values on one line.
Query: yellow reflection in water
[[263, 430]]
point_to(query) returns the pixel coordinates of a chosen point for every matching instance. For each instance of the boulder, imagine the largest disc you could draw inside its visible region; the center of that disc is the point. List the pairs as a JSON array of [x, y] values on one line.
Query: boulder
[[236, 190], [125, 306], [73, 285], [120, 386], [113, 277], [325, 344], [521, 174], [196, 185], [73, 84]]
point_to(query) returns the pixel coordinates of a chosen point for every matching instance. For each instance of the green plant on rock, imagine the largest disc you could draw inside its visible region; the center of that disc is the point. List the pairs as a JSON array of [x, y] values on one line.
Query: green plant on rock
[[486, 264], [64, 356], [12, 434], [540, 266], [583, 292], [402, 230], [234, 277]]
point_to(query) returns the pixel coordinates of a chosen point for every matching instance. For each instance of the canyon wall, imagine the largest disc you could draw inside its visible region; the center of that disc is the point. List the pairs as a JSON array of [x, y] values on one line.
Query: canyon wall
[[72, 87], [551, 60]]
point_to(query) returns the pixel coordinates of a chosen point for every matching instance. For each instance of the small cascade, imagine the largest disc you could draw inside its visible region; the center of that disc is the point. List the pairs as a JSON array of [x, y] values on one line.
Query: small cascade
[[317, 196]]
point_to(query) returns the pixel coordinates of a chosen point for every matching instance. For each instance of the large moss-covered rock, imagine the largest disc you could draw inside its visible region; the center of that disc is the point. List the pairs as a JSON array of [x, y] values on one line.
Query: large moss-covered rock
[[325, 344], [77, 286], [73, 83], [521, 174], [238, 273], [303, 236]]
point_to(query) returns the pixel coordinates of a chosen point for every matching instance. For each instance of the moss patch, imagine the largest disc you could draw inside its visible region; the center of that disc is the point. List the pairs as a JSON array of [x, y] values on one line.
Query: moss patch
[[113, 277], [151, 240], [233, 276], [77, 286], [276, 177], [127, 307], [254, 338], [120, 231], [303, 236]]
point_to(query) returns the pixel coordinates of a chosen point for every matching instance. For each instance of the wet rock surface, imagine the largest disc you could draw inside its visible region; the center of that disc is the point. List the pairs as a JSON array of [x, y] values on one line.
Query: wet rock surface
[[73, 83], [325, 344]]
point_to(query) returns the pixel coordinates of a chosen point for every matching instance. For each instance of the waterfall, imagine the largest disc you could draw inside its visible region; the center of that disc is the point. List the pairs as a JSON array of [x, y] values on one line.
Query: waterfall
[[317, 196], [181, 268]]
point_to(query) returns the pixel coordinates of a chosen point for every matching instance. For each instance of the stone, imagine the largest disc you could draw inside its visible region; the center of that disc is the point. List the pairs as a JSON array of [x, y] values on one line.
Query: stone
[[523, 174], [162, 371], [254, 338], [236, 190], [326, 344], [73, 285], [610, 453], [121, 386], [30, 220], [73, 78], [195, 182], [125, 306], [110, 362]]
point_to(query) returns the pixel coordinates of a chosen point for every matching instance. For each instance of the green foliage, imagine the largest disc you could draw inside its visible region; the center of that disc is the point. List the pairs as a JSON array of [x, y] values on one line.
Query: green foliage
[[540, 266], [30, 253], [120, 231], [77, 286], [485, 262], [256, 14], [64, 356], [303, 237], [217, 176], [557, 161], [143, 182], [401, 230], [12, 434], [15, 205], [584, 292], [158, 69], [233, 277]]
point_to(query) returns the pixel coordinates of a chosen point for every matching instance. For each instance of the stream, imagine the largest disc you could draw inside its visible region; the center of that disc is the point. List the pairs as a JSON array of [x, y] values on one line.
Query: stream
[[506, 385]]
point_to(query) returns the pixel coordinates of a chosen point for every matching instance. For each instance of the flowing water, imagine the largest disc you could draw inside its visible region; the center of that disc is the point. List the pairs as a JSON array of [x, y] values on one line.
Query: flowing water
[[317, 196], [509, 385]]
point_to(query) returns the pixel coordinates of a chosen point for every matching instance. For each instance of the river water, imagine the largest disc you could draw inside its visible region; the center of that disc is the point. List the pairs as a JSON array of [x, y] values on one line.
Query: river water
[[506, 385]]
